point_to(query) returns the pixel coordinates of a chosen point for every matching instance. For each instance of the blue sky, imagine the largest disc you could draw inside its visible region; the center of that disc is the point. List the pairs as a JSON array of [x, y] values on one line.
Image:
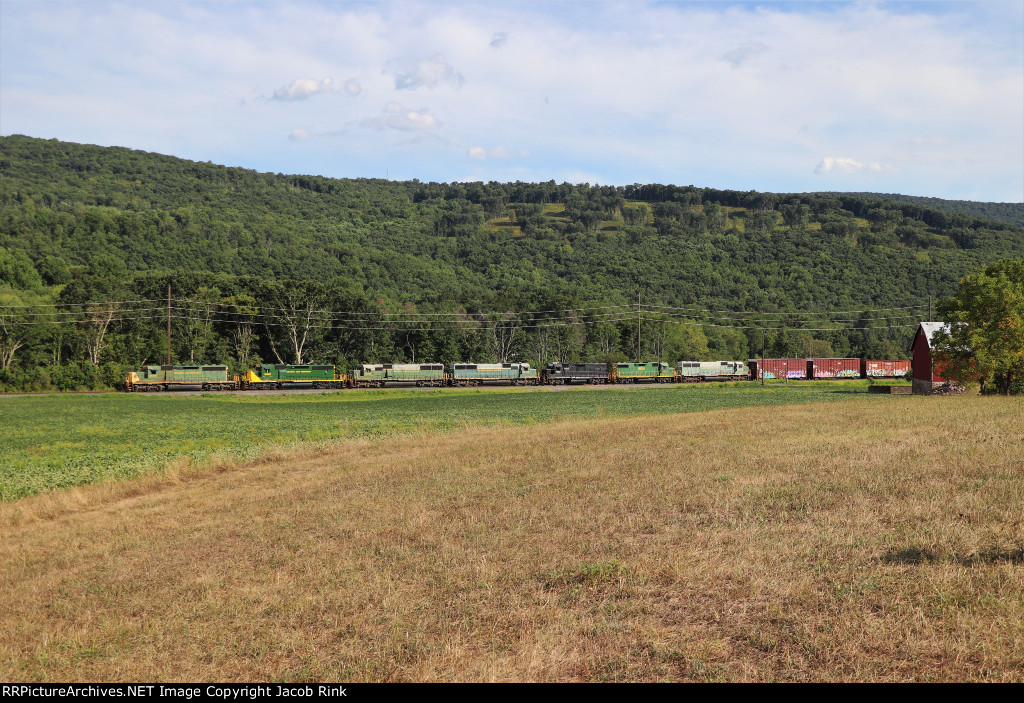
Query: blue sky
[[911, 97]]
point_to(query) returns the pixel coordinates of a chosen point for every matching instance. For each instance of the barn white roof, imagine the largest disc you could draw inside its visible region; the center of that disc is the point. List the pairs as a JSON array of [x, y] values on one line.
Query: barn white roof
[[930, 328]]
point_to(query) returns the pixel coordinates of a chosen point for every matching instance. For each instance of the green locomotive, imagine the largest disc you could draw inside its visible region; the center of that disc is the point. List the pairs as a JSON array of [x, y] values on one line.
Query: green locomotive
[[381, 375], [692, 371], [165, 378], [269, 376], [515, 374], [643, 372]]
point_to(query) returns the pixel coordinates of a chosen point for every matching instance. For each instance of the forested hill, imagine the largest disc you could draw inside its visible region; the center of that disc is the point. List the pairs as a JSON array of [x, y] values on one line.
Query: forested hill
[[1011, 213], [78, 222]]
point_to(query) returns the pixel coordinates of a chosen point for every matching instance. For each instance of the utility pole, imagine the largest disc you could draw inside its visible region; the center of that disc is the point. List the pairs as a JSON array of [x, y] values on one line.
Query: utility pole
[[168, 324], [638, 327], [929, 308], [760, 367]]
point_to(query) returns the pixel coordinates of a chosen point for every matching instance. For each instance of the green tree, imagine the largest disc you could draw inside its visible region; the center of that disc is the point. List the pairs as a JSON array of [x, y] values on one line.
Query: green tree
[[20, 324], [242, 310], [763, 221], [813, 347], [54, 270], [672, 342], [298, 319], [197, 322], [506, 335], [17, 271], [985, 340], [99, 303]]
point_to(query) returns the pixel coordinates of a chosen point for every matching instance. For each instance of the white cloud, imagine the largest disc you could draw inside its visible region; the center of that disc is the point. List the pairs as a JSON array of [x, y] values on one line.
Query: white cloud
[[500, 152], [922, 98], [743, 53], [398, 116], [428, 73], [841, 164], [302, 88]]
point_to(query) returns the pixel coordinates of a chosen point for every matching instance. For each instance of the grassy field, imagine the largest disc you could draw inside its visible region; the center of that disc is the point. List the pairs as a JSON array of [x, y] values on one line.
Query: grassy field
[[58, 441], [875, 539]]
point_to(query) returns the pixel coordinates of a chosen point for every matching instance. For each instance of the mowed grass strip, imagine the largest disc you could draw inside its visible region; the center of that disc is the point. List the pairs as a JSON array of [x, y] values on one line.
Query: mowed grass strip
[[56, 441], [862, 541]]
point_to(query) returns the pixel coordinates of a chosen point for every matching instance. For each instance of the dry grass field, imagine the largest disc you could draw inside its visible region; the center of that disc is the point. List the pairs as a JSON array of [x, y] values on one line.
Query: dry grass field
[[875, 539]]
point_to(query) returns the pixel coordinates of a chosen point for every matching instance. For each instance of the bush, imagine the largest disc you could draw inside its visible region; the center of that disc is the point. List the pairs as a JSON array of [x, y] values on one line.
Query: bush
[[112, 375], [68, 377]]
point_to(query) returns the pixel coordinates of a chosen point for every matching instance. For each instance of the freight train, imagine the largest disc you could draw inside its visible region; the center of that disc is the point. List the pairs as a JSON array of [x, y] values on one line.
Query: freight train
[[797, 369], [283, 376]]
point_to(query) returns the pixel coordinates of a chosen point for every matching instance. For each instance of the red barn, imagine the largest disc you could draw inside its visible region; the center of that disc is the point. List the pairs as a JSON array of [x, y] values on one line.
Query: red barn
[[926, 376]]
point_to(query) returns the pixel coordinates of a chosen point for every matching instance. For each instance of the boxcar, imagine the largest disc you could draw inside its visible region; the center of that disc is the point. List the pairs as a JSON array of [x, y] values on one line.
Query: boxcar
[[561, 373], [518, 373], [644, 372], [779, 368], [833, 368], [290, 375], [166, 378], [894, 368], [381, 375], [692, 371]]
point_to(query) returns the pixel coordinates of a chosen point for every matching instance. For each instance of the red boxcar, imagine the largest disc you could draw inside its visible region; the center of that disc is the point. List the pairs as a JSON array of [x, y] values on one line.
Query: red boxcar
[[833, 368], [779, 368], [885, 368]]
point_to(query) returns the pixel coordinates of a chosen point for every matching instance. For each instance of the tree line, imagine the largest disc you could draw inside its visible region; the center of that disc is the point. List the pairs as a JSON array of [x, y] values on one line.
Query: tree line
[[79, 221], [100, 327]]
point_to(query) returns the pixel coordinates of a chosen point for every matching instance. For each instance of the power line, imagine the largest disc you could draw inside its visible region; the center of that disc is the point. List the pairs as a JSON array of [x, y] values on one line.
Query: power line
[[324, 316], [834, 312], [520, 320], [791, 329], [416, 314], [68, 305], [84, 321], [390, 328], [353, 313], [401, 316], [402, 326], [697, 318], [216, 312], [75, 312]]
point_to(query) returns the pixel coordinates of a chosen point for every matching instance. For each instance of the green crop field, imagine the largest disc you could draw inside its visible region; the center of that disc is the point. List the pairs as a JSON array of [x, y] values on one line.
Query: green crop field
[[58, 441]]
